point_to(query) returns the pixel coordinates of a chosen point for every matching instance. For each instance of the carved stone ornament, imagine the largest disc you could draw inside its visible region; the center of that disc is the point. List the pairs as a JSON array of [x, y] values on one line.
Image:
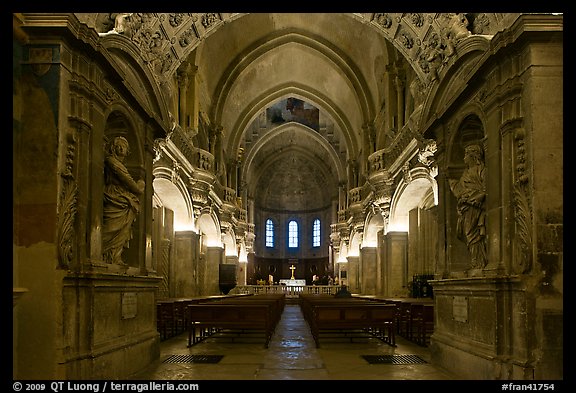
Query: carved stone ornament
[[40, 60], [426, 154], [522, 209], [67, 206]]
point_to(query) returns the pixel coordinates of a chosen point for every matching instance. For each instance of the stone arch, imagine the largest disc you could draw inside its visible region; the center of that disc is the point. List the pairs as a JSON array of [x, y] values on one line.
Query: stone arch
[[374, 224], [209, 229], [470, 130], [355, 243], [414, 190], [440, 94], [277, 93], [178, 34], [335, 162], [120, 123], [342, 252], [137, 72], [171, 192], [229, 242], [316, 46]]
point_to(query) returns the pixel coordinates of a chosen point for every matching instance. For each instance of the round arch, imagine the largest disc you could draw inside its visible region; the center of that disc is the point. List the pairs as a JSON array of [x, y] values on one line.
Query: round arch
[[229, 241], [272, 95], [374, 224], [409, 195], [175, 197], [209, 229], [355, 242]]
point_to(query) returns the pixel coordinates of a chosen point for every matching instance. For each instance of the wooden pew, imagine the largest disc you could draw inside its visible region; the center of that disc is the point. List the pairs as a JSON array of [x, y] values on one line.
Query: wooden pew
[[209, 318], [329, 314], [276, 301], [423, 324], [171, 315], [408, 310]]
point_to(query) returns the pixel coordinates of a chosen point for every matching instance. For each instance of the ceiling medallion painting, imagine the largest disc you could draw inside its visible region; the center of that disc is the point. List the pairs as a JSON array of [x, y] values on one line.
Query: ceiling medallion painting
[[293, 109]]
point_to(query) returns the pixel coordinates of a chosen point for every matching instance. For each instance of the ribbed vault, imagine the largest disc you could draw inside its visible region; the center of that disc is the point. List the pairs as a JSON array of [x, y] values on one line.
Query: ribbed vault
[[245, 64]]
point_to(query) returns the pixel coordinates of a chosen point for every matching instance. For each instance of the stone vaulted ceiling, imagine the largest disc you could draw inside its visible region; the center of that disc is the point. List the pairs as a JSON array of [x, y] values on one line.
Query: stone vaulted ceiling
[[248, 64]]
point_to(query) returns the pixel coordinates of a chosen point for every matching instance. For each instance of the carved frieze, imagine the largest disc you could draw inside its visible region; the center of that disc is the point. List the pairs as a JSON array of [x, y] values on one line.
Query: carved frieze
[[417, 19], [384, 20], [176, 19], [406, 39], [209, 19]]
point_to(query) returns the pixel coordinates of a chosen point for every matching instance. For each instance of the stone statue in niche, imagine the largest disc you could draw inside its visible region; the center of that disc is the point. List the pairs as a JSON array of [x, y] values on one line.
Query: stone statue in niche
[[470, 192], [121, 201]]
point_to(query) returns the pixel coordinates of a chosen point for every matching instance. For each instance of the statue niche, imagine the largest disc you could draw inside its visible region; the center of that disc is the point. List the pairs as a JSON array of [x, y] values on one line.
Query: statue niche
[[470, 192], [121, 201]]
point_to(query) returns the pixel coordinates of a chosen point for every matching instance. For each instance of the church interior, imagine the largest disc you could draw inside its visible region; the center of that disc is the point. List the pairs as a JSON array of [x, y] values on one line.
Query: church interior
[[195, 155]]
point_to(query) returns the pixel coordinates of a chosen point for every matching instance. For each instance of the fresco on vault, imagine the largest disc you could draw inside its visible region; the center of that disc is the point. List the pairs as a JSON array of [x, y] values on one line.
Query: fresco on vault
[[293, 109]]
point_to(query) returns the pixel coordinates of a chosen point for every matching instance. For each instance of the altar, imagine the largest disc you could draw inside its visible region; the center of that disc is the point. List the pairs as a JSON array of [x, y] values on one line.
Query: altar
[[292, 282]]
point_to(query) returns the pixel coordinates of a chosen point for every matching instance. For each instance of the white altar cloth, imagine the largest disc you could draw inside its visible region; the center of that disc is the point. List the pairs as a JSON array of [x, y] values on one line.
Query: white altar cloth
[[290, 282]]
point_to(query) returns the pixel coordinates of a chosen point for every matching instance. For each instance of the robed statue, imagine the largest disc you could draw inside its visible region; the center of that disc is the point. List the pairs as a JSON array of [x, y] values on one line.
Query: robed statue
[[121, 201], [470, 192]]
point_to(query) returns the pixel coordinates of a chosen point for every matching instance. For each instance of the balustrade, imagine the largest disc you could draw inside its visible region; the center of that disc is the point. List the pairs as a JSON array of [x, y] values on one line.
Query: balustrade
[[290, 291]]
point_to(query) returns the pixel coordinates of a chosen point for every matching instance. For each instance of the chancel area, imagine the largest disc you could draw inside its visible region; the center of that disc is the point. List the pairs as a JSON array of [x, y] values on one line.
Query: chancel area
[[389, 156]]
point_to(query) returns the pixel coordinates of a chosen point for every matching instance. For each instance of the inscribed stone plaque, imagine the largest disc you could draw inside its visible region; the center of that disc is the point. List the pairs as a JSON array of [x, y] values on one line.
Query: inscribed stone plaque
[[460, 308], [129, 305]]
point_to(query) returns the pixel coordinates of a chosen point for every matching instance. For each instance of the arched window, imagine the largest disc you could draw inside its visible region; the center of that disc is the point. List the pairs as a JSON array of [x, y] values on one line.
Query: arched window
[[316, 233], [269, 233], [292, 234]]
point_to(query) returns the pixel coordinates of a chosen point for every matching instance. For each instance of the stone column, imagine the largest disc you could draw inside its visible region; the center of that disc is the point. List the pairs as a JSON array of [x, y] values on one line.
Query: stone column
[[352, 276], [241, 273], [214, 256], [396, 264], [185, 252], [368, 261]]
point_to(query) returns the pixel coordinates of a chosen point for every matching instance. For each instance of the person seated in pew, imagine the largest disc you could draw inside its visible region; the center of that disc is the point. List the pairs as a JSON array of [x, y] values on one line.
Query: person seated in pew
[[343, 292]]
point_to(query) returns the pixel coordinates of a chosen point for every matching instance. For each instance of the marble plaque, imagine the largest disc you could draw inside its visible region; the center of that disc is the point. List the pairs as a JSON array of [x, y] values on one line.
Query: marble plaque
[[129, 305], [460, 308]]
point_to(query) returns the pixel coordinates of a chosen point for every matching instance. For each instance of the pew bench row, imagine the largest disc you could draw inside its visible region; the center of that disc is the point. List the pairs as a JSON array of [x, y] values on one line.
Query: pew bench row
[[414, 317], [326, 314], [258, 314], [171, 315]]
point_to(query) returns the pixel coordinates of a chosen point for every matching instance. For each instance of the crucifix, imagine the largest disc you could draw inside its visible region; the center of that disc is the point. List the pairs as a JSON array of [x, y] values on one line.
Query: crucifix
[[292, 268]]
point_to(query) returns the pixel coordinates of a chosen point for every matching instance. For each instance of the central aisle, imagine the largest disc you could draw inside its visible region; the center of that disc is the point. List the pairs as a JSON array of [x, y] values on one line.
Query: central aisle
[[291, 355], [292, 352]]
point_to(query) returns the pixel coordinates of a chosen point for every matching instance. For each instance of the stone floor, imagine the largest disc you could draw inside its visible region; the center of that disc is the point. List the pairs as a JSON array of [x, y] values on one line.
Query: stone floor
[[292, 355]]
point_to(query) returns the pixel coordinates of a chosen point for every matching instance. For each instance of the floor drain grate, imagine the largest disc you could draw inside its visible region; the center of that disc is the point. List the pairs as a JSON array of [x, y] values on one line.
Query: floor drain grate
[[194, 359], [393, 359]]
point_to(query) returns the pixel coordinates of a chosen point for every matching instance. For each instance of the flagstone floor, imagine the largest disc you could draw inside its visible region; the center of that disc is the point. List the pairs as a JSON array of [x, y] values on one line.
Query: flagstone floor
[[292, 355]]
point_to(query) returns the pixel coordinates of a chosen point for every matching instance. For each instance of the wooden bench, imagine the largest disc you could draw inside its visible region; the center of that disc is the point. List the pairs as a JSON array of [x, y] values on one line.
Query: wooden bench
[[171, 316], [276, 302], [423, 324], [330, 314], [210, 318]]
